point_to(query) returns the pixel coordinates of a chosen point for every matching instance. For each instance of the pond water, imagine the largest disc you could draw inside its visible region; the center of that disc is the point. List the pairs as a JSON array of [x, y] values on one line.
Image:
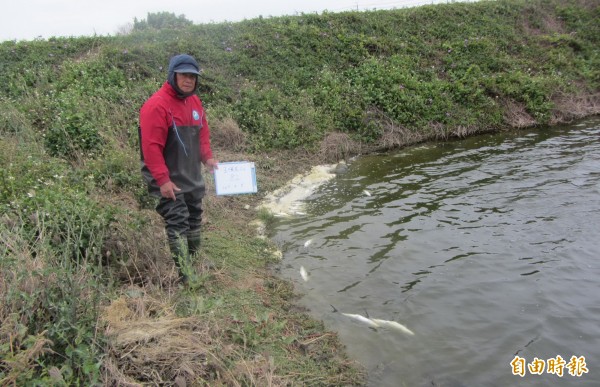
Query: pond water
[[486, 248]]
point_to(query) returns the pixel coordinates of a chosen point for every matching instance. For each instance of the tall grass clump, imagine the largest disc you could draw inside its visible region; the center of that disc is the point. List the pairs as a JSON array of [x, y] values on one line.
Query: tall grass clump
[[52, 268]]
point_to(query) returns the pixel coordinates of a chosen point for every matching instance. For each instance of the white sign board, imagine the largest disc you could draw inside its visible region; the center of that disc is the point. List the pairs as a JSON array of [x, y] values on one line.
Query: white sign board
[[238, 177]]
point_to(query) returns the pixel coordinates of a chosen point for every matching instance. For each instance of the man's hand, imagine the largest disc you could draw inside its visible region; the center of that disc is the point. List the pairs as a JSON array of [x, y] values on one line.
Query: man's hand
[[211, 165], [168, 190]]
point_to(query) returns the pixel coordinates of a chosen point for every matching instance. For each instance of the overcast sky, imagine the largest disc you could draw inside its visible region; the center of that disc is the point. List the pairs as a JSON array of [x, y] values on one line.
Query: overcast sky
[[31, 19]]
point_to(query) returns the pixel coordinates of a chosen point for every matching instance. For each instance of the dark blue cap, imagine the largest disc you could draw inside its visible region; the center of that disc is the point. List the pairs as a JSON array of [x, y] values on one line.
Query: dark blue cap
[[184, 63]]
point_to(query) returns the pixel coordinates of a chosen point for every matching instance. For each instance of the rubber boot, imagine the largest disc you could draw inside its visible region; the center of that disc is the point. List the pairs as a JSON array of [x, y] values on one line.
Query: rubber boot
[[181, 257], [193, 241]]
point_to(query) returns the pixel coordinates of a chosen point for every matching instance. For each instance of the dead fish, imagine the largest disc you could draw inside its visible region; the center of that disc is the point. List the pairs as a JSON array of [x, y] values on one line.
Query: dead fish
[[367, 193], [303, 273], [393, 325], [362, 319], [377, 323], [307, 243]]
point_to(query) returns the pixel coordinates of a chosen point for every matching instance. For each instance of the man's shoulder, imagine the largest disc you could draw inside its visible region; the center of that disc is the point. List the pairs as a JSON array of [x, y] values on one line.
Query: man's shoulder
[[151, 104]]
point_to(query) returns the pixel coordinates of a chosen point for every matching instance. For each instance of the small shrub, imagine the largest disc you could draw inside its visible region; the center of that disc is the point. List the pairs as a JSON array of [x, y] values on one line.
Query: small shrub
[[226, 134], [73, 132], [338, 146]]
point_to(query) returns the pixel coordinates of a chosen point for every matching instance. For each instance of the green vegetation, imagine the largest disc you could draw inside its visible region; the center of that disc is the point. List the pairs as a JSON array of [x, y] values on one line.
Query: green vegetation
[[88, 293]]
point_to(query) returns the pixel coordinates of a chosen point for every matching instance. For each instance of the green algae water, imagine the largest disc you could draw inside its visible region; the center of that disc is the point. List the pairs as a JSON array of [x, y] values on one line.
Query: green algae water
[[486, 248]]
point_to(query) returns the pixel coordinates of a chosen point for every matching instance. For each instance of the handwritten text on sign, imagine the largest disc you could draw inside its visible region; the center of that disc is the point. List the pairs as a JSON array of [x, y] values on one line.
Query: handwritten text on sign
[[237, 177]]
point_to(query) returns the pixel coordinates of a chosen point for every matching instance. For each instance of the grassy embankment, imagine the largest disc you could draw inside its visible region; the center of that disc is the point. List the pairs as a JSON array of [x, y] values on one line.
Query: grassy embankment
[[87, 290]]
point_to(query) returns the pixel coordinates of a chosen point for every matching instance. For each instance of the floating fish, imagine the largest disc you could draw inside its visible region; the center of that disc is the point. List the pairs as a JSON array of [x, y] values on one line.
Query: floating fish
[[307, 243], [362, 319], [377, 323], [393, 325], [367, 193], [303, 273]]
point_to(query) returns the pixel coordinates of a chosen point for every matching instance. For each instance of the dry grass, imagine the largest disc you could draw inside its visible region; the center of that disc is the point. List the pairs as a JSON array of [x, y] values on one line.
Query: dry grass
[[23, 348], [396, 136], [463, 131], [149, 344], [140, 255], [226, 133], [21, 359], [21, 279], [516, 116], [337, 147], [393, 135], [569, 108]]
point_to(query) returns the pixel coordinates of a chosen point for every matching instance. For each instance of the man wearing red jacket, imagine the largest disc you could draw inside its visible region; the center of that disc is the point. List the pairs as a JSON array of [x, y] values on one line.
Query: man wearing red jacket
[[175, 140]]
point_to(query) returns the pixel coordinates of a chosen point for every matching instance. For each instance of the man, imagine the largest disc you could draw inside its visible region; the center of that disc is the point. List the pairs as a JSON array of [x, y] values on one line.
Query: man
[[175, 140]]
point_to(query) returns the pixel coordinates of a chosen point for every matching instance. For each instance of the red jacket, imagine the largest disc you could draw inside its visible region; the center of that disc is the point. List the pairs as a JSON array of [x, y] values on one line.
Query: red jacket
[[175, 139]]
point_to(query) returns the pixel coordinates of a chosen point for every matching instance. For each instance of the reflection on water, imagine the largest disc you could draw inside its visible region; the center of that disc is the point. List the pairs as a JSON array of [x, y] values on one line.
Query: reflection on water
[[486, 248]]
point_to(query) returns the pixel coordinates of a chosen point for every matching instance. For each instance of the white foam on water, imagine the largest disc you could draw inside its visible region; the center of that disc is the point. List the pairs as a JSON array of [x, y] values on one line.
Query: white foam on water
[[287, 200]]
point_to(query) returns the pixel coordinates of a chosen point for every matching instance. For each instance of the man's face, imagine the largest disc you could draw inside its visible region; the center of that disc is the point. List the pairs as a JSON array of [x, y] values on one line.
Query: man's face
[[186, 82]]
